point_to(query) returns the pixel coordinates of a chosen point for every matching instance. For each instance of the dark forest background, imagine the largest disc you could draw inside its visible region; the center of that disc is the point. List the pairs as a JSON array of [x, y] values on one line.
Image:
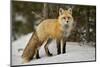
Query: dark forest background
[[27, 15]]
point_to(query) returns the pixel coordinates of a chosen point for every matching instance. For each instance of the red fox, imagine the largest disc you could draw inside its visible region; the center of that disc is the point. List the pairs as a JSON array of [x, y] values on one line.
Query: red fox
[[58, 29]]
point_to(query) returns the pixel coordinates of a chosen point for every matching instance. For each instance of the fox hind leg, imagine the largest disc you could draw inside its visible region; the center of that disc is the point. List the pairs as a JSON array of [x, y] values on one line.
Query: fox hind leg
[[37, 54], [46, 47]]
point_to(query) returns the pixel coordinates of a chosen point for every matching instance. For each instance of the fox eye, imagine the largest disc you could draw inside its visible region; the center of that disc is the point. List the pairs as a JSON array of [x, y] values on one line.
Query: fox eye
[[68, 17], [64, 18]]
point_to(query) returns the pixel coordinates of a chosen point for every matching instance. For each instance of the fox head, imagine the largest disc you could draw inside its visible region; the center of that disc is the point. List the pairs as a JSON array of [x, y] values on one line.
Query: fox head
[[65, 17]]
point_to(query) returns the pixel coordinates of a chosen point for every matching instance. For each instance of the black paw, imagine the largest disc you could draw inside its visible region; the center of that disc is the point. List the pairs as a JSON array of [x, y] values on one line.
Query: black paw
[[37, 57], [59, 52], [50, 54], [64, 51]]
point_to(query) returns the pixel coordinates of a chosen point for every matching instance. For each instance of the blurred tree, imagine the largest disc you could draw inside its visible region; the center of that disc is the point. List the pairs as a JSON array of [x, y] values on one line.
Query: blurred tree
[[34, 12], [45, 10]]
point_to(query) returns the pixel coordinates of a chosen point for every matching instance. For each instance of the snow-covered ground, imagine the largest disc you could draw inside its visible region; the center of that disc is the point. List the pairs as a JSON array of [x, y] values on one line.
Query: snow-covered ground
[[74, 52]]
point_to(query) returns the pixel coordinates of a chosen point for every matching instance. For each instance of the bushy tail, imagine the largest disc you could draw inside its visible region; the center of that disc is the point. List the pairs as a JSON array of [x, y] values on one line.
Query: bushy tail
[[31, 47]]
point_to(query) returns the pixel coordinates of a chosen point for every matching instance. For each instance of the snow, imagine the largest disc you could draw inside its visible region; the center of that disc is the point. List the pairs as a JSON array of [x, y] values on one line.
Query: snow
[[74, 52]]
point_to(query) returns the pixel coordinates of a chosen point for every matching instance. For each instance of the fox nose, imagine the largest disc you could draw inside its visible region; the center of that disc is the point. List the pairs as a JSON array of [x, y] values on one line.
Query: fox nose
[[67, 21]]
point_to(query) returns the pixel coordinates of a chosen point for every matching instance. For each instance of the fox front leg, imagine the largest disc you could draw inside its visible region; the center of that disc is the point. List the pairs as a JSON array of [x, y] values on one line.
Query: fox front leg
[[58, 46], [64, 46]]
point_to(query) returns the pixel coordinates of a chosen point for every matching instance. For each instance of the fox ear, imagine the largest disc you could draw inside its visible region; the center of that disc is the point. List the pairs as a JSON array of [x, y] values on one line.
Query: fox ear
[[61, 11], [70, 10]]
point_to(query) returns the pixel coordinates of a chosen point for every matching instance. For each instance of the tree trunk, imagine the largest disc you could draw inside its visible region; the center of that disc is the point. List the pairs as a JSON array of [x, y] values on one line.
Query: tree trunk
[[45, 10], [87, 24]]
